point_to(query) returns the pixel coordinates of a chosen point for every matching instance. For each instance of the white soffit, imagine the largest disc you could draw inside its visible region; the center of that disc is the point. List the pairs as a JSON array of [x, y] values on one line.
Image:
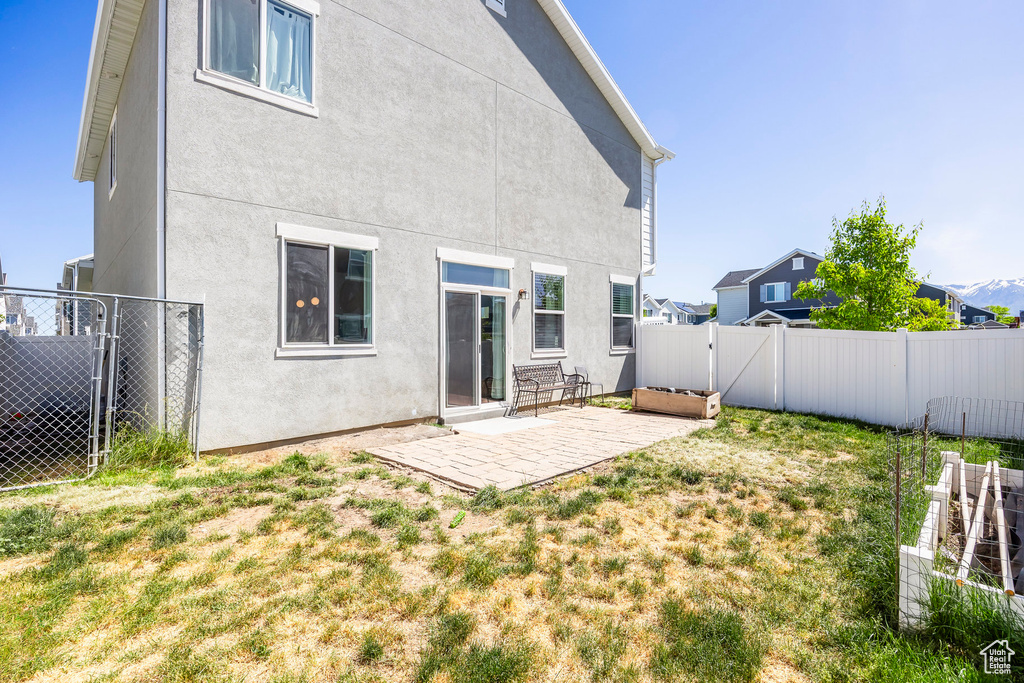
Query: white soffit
[[572, 35], [113, 36]]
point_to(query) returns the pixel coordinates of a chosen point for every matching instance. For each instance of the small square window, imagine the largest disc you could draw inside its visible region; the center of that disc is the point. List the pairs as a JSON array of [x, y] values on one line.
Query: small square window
[[798, 263]]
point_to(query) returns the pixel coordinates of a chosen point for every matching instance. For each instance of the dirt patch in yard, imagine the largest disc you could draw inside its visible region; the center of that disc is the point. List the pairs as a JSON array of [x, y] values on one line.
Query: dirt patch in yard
[[241, 519], [344, 445]]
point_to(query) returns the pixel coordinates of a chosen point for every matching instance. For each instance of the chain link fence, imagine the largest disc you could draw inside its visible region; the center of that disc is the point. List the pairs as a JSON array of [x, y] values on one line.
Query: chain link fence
[[958, 510], [78, 369]]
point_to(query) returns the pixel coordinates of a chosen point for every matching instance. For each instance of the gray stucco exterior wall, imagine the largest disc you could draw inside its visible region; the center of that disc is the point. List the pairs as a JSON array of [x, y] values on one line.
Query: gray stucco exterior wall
[[125, 222], [784, 272], [443, 127]]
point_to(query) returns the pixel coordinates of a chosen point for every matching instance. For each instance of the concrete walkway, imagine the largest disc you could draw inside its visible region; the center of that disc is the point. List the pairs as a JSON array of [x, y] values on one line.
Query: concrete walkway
[[564, 441]]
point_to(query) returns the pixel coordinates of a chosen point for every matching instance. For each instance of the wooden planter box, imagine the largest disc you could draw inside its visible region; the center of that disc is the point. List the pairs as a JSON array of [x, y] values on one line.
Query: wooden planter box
[[699, 404]]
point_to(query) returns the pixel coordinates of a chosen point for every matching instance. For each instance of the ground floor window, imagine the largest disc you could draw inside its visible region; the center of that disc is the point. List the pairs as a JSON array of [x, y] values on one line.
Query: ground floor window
[[622, 313], [548, 309], [327, 289]]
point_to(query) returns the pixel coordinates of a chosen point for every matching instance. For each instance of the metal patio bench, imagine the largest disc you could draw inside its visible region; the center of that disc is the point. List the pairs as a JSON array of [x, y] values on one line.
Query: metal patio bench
[[544, 378]]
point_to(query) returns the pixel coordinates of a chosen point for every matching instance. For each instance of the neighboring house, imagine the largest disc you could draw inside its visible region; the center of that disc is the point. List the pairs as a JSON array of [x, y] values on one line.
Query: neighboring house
[[974, 315], [697, 314], [733, 301], [675, 312], [760, 297], [989, 325], [950, 300], [77, 274], [317, 174]]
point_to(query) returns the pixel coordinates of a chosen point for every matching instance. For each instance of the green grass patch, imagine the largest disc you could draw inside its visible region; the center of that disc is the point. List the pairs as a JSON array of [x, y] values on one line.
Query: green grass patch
[[708, 644]]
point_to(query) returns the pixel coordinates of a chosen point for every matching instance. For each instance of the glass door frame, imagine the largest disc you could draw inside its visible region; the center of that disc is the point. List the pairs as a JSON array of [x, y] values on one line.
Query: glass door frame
[[479, 406]]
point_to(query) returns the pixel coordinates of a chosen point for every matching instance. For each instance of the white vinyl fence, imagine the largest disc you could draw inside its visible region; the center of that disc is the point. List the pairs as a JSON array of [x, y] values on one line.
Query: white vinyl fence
[[885, 378]]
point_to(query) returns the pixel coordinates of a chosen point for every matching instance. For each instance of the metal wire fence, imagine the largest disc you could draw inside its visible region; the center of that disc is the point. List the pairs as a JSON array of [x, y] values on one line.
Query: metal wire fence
[[76, 369], [958, 508]]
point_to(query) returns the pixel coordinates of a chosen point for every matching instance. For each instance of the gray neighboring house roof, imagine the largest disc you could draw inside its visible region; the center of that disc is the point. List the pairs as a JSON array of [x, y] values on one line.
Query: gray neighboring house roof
[[702, 309], [735, 278]]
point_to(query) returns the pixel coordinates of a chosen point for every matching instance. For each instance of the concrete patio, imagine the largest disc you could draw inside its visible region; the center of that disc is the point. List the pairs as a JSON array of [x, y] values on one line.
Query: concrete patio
[[513, 452]]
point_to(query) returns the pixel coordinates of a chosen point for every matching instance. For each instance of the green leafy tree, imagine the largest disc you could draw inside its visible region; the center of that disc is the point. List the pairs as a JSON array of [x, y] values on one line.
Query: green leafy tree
[[1002, 314], [714, 311], [868, 267]]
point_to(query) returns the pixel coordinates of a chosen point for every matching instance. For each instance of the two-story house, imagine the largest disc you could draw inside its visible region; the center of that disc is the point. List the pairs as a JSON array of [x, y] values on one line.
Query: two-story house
[[764, 296], [975, 315], [384, 205]]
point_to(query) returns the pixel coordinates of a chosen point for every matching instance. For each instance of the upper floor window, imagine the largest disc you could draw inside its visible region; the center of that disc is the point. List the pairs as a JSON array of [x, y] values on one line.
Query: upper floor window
[[798, 263], [775, 293], [264, 43]]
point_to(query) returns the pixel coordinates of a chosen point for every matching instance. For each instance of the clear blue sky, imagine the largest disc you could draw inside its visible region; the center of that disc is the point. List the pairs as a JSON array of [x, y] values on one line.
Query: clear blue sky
[[783, 114]]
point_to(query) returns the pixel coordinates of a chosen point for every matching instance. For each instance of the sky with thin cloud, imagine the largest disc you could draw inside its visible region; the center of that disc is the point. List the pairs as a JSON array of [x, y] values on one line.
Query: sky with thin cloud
[[782, 114]]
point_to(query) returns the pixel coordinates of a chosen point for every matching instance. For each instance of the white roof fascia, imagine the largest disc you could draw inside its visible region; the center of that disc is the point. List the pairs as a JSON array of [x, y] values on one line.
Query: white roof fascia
[[722, 289], [113, 36], [574, 37], [784, 258]]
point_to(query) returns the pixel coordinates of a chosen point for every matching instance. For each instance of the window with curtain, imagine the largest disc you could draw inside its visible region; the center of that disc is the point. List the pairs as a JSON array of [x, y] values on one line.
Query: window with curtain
[[280, 61], [325, 283], [548, 312], [622, 316]]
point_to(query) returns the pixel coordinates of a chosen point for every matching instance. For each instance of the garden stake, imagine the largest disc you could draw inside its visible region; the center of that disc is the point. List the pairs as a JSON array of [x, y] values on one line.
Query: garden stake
[[924, 450]]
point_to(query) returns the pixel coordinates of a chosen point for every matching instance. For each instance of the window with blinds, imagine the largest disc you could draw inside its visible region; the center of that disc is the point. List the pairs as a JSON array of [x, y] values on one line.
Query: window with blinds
[[548, 312], [622, 316]]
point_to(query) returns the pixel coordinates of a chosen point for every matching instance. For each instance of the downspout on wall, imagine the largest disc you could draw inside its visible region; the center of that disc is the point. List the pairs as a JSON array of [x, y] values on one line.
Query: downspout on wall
[[161, 205]]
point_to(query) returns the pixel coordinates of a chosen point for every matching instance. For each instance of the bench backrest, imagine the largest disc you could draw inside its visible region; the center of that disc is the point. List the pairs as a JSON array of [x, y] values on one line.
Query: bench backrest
[[547, 374]]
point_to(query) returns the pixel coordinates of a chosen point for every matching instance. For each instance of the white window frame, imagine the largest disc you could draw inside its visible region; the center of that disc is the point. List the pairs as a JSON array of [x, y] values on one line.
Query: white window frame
[[288, 233], [545, 269], [978, 319], [620, 280], [776, 285], [498, 6], [112, 143], [204, 74], [798, 263]]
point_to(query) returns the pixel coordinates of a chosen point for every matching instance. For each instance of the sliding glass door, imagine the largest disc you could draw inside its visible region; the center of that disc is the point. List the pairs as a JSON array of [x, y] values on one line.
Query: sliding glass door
[[461, 347], [476, 348]]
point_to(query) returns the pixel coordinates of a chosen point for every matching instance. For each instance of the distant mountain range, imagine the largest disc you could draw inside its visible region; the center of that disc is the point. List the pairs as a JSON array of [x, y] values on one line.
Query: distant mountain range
[[1009, 293]]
